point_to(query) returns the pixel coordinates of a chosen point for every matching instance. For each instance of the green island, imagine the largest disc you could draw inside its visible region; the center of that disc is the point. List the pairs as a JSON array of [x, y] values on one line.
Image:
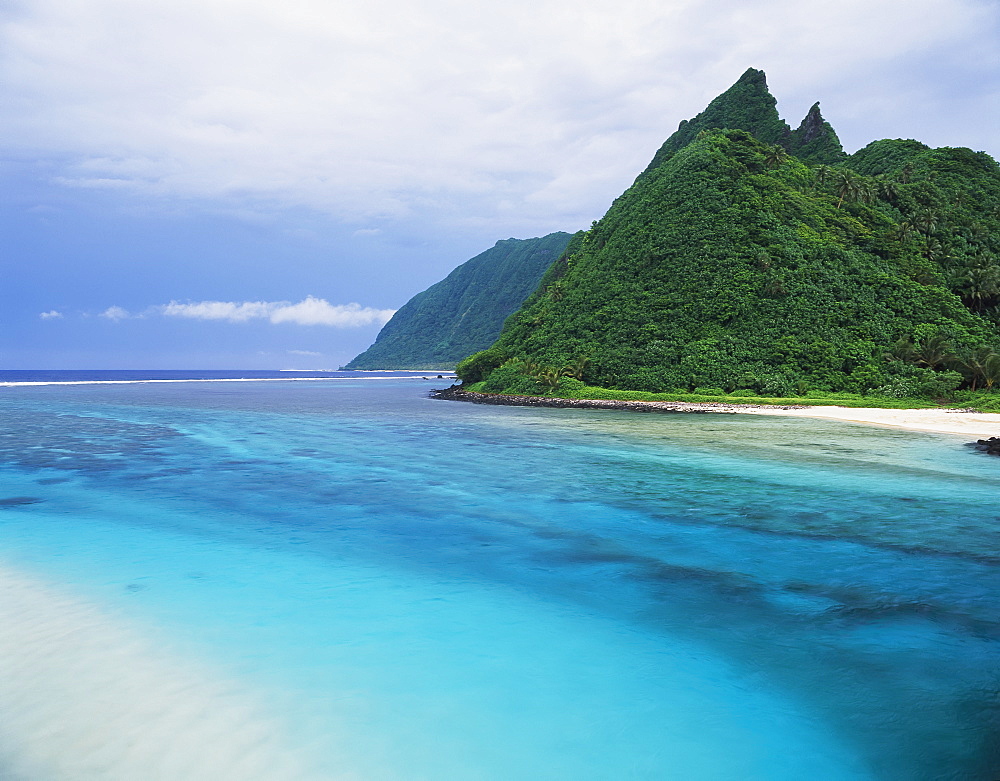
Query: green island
[[752, 263], [466, 310]]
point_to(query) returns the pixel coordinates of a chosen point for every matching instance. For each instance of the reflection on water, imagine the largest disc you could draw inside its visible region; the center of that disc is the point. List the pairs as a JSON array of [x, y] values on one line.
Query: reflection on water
[[430, 589]]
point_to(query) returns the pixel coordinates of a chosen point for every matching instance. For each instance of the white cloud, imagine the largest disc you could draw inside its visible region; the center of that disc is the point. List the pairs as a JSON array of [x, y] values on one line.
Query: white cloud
[[310, 353], [115, 313], [316, 311], [51, 314], [309, 311], [537, 110], [220, 310]]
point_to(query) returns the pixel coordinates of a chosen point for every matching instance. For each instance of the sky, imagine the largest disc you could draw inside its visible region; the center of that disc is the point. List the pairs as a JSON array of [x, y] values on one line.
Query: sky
[[250, 184]]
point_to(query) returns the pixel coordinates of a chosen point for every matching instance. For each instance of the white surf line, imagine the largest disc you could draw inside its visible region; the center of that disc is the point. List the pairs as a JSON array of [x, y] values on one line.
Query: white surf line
[[85, 697], [218, 379]]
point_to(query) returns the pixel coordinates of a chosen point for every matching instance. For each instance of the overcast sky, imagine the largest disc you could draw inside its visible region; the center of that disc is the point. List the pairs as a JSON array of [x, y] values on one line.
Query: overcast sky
[[253, 184]]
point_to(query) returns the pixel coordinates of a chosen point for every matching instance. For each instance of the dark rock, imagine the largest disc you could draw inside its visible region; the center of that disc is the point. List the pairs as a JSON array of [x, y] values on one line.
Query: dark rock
[[989, 446]]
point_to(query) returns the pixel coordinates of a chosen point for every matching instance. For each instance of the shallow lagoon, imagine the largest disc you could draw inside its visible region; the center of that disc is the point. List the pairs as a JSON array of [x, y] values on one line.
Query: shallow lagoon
[[347, 579]]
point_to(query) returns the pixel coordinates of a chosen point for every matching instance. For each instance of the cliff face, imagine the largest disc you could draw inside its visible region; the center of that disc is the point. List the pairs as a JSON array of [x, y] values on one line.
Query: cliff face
[[465, 311]]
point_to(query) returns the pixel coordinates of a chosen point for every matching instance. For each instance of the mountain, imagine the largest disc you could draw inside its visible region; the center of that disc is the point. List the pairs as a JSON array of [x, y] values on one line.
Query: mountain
[[749, 105], [733, 264], [465, 311]]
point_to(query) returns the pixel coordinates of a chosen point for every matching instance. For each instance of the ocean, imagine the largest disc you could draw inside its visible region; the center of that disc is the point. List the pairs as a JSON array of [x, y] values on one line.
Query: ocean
[[339, 577]]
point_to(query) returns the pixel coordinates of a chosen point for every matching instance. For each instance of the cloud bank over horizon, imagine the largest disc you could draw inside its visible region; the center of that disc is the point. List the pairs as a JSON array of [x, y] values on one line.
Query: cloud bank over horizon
[[500, 113]]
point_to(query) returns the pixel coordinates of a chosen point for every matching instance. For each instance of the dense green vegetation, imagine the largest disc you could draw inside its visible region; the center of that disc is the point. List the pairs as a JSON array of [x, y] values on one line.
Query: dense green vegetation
[[733, 265], [465, 311]]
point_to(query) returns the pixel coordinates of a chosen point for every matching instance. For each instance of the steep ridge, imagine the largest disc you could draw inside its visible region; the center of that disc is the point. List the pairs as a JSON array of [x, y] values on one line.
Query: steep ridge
[[465, 311], [732, 264]]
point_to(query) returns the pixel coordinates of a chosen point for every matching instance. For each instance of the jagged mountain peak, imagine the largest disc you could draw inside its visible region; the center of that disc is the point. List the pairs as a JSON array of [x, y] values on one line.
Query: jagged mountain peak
[[747, 105], [815, 140], [753, 76]]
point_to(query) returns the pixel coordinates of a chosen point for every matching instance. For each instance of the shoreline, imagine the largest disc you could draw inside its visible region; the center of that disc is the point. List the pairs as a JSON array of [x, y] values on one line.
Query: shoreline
[[975, 425]]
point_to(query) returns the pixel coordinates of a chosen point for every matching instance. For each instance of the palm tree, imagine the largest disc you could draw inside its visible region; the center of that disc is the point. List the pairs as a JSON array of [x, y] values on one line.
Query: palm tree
[[904, 230], [991, 370], [577, 368], [846, 186], [822, 175], [850, 187], [530, 367], [934, 250], [978, 232], [933, 352], [775, 157], [903, 350], [926, 220], [982, 286], [981, 364], [887, 189], [550, 377]]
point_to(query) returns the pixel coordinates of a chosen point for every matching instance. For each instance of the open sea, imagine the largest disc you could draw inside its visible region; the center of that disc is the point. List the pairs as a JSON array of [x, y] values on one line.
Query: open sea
[[338, 577]]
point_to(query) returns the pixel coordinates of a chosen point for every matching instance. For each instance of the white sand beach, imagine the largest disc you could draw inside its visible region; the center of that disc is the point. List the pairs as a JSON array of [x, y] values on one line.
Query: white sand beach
[[972, 425], [85, 696]]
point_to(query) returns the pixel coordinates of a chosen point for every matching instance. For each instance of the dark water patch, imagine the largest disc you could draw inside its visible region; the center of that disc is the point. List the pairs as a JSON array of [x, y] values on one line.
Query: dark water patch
[[19, 501], [38, 440], [819, 525], [159, 474]]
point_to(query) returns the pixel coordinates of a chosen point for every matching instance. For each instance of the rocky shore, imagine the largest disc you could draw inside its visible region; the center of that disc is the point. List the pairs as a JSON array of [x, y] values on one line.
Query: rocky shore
[[454, 393], [989, 446]]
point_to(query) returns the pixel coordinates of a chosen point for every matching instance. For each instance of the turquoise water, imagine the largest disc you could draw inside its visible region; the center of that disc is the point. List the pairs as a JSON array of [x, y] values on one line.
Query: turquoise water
[[346, 579]]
